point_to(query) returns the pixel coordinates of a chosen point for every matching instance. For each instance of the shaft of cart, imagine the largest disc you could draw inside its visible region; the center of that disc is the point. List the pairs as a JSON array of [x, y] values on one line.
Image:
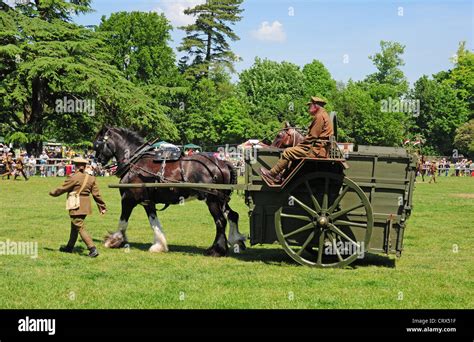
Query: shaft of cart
[[212, 186]]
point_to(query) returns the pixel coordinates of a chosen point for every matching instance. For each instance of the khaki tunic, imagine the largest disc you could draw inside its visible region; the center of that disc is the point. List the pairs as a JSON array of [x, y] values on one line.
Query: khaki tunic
[[74, 183], [8, 163], [320, 128], [19, 164]]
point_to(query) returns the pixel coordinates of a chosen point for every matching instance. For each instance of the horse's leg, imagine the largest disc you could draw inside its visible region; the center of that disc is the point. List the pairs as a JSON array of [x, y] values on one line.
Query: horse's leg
[[219, 246], [119, 238], [235, 237], [159, 243]]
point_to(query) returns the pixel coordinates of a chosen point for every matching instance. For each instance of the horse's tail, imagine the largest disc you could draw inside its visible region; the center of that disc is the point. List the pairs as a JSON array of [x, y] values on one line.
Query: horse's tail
[[233, 173]]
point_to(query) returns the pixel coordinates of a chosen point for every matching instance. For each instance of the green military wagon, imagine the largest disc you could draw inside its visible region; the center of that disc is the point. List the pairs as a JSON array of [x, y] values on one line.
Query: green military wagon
[[327, 212]]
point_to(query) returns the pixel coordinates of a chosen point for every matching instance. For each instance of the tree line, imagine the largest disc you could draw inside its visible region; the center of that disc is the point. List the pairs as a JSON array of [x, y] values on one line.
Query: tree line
[[51, 67]]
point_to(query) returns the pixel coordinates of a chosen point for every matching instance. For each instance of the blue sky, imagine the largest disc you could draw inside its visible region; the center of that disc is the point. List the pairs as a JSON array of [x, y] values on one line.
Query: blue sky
[[339, 33]]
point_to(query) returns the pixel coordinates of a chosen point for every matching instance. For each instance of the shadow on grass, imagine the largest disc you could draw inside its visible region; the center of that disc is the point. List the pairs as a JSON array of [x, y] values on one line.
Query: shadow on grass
[[375, 260], [76, 249], [271, 256]]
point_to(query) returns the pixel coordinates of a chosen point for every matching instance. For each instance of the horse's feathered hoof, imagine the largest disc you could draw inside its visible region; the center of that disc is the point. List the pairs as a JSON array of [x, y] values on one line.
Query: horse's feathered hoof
[[114, 240], [158, 248]]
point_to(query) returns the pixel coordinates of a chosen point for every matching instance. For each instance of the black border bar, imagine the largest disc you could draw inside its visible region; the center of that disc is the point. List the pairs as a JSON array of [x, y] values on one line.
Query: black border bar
[[243, 323]]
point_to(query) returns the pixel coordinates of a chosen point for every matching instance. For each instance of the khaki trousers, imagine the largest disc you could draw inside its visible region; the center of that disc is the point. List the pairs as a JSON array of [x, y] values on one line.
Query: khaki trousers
[[7, 174], [22, 172], [288, 155], [297, 152], [78, 228]]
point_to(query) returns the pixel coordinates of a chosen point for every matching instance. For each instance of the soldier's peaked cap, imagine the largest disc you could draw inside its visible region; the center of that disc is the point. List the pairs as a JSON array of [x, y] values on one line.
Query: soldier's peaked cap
[[315, 99]]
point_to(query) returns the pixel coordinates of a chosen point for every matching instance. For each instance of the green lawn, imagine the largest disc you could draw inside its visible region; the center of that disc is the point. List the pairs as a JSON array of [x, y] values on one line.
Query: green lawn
[[435, 271]]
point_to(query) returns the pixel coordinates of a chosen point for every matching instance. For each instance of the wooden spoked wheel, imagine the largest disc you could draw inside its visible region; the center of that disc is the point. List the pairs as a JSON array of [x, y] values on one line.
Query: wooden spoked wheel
[[326, 221]]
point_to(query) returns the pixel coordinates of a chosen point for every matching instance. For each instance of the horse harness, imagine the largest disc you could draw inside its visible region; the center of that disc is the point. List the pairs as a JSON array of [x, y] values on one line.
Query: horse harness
[[159, 177], [130, 165]]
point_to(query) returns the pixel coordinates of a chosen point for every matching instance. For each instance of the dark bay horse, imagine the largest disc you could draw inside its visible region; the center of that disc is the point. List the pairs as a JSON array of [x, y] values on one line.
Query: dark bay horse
[[287, 137], [199, 168]]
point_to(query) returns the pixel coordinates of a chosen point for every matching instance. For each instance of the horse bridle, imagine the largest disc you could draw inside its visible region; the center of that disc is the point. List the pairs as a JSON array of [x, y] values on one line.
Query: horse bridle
[[286, 129], [104, 142], [100, 143]]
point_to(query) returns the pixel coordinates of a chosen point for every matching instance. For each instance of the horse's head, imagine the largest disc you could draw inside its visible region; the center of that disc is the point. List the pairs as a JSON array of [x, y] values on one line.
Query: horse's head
[[104, 146], [120, 143], [287, 137]]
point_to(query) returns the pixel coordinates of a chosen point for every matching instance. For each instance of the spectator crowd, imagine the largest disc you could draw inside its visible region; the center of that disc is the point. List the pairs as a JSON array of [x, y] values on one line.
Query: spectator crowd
[[57, 161], [52, 162], [444, 167]]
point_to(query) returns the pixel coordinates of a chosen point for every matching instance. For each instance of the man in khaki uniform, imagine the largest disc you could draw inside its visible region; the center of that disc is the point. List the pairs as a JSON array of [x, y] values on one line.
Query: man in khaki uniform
[[75, 182], [315, 143], [20, 164], [8, 161], [433, 170]]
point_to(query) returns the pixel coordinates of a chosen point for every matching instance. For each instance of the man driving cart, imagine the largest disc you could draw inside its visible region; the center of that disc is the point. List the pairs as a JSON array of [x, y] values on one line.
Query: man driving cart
[[314, 145]]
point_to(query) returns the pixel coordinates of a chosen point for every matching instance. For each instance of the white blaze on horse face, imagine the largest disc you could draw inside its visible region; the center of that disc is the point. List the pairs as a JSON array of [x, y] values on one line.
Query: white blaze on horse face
[[160, 244]]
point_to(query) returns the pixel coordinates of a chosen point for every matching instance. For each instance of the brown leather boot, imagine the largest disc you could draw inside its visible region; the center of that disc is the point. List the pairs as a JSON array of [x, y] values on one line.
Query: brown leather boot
[[270, 177]]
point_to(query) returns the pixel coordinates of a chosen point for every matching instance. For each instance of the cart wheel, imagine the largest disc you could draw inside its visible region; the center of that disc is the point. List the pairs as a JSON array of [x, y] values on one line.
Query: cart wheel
[[327, 221]]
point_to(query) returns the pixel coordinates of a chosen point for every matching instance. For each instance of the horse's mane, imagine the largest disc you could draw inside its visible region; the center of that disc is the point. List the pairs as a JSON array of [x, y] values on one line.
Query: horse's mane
[[131, 136]]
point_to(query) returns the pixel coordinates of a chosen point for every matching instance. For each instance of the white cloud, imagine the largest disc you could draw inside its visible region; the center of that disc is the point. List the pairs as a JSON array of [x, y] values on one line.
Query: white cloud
[[270, 32], [174, 11]]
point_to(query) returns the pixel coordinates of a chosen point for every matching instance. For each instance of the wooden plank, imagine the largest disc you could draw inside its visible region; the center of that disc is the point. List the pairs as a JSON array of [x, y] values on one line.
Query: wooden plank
[[211, 186]]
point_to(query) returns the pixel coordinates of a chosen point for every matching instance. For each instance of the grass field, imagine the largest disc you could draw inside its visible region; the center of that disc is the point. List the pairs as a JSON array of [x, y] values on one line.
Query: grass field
[[435, 271]]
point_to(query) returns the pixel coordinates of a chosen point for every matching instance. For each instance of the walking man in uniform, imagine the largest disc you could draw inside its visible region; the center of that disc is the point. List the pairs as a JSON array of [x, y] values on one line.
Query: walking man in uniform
[[433, 169], [20, 168], [86, 184], [8, 161], [314, 145]]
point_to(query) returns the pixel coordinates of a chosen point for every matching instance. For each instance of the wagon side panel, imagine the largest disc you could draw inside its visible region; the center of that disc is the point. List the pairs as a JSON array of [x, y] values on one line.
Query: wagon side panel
[[387, 177]]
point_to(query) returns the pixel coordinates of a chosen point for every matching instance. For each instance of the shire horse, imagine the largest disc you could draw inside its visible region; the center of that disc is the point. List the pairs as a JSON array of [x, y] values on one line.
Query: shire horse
[[134, 168]]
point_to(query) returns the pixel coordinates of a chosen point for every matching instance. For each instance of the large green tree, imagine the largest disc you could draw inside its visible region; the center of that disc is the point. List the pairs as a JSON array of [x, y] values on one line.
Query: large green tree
[[364, 114], [318, 80], [139, 44], [464, 138], [46, 61], [194, 118], [441, 112], [388, 63], [461, 77], [232, 122], [275, 93], [50, 10], [447, 102], [361, 120], [207, 40]]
